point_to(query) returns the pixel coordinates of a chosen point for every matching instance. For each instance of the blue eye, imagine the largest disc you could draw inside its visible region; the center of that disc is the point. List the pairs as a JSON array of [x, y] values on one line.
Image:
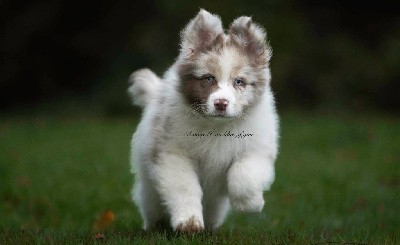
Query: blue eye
[[238, 82], [209, 79]]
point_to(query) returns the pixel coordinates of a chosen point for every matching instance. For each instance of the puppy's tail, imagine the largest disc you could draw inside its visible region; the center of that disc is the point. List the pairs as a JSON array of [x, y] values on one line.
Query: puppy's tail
[[144, 86]]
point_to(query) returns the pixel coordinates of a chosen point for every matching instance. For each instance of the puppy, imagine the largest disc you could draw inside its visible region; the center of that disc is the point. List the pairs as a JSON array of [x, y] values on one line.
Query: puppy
[[208, 136]]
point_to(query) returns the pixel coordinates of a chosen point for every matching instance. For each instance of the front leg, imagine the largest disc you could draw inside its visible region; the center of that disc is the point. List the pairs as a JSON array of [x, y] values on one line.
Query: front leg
[[179, 188], [247, 179]]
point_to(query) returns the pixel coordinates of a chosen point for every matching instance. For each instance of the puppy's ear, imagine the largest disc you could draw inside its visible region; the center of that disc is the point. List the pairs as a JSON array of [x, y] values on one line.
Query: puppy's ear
[[201, 33], [252, 38]]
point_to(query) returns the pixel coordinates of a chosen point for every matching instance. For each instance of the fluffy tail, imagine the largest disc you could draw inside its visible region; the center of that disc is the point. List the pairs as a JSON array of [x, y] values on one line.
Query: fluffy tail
[[144, 86]]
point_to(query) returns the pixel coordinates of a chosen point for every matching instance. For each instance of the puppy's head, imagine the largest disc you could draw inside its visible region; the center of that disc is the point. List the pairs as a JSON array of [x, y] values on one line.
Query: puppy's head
[[222, 75]]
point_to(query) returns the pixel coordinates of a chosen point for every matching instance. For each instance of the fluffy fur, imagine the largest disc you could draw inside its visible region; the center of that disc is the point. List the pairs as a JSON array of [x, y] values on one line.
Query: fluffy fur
[[191, 163]]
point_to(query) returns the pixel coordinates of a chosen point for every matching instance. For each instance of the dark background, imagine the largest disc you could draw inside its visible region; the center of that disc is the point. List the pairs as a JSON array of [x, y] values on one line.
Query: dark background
[[329, 55]]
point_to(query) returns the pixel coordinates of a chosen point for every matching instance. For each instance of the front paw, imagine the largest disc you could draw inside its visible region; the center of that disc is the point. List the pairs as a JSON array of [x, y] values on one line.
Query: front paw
[[192, 225], [248, 204]]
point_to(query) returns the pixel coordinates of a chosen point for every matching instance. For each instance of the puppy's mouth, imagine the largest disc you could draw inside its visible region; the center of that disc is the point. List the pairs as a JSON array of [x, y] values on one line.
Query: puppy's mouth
[[221, 116], [217, 115]]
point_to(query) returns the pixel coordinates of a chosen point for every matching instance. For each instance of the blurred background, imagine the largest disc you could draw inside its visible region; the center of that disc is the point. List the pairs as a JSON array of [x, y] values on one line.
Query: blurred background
[[335, 55], [66, 119]]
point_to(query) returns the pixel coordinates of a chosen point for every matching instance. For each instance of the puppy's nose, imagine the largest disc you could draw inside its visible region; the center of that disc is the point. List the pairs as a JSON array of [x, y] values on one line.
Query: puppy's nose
[[221, 104]]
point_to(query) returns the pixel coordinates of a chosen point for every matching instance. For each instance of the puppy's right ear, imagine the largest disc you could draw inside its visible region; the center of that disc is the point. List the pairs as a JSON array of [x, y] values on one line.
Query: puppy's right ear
[[200, 34]]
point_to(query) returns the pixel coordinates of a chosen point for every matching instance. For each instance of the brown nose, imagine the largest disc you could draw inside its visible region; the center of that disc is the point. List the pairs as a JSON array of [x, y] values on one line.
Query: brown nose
[[221, 104]]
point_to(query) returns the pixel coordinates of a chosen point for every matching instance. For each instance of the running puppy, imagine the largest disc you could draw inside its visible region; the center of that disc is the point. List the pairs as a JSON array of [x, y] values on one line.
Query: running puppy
[[219, 88]]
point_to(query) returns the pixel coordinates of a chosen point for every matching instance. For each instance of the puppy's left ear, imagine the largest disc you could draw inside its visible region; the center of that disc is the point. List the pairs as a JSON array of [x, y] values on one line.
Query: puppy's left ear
[[252, 38], [201, 34]]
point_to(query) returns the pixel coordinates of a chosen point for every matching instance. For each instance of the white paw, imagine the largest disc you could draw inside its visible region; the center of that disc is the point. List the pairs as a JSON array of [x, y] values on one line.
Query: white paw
[[248, 204], [192, 225]]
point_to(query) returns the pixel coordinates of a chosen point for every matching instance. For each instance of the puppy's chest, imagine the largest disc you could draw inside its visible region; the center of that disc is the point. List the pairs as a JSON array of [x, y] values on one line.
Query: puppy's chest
[[216, 149]]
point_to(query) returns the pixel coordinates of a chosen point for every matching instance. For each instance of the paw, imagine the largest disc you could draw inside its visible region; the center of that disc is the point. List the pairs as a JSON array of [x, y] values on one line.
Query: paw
[[248, 204], [191, 226]]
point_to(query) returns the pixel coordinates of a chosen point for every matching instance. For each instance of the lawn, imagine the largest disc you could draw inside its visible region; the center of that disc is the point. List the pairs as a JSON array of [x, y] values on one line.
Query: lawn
[[338, 180]]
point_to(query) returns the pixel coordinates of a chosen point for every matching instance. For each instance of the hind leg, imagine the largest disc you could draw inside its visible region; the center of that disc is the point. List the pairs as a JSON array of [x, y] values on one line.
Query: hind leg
[[215, 211], [149, 203]]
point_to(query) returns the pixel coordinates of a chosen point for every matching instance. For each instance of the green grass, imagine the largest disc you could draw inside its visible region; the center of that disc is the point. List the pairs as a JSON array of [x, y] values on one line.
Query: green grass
[[338, 180]]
